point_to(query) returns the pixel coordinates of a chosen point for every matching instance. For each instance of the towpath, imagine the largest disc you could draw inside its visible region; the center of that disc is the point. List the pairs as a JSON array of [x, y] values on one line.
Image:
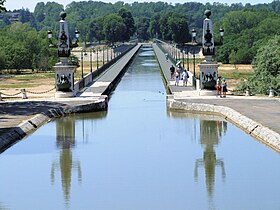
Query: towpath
[[263, 110]]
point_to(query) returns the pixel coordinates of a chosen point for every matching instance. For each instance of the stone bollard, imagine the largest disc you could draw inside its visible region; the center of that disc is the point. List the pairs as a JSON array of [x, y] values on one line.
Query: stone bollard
[[197, 85], [170, 97], [24, 96], [248, 91], [271, 93]]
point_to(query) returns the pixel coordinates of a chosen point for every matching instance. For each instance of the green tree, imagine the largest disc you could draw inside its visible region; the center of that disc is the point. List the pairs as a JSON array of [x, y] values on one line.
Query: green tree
[[25, 16], [154, 28], [142, 28], [179, 29], [245, 32], [237, 21], [113, 28], [267, 67], [96, 29], [17, 57], [85, 30], [129, 23], [164, 28], [24, 48], [2, 8], [47, 15]]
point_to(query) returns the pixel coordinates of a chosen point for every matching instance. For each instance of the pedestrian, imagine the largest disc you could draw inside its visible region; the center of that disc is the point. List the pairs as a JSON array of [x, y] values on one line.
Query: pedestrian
[[166, 56], [172, 71], [185, 78], [179, 69], [224, 87], [177, 78], [218, 86]]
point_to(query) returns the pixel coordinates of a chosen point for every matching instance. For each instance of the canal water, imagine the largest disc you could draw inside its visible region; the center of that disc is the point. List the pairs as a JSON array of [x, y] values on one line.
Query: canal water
[[139, 156]]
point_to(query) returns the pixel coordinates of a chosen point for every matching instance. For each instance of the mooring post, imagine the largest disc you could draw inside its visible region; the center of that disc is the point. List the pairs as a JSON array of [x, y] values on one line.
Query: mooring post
[[24, 96], [248, 91], [271, 93]]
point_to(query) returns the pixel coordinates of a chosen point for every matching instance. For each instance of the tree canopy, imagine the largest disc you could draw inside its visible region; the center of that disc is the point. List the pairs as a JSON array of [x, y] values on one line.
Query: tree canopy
[[113, 28], [2, 8], [24, 48], [247, 27], [267, 67]]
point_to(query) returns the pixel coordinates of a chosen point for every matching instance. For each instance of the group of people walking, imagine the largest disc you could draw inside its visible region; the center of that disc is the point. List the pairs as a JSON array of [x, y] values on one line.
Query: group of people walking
[[179, 73]]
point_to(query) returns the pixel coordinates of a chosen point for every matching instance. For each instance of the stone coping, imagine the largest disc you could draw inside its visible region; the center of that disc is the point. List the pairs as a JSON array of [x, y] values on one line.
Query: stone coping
[[28, 126], [253, 128]]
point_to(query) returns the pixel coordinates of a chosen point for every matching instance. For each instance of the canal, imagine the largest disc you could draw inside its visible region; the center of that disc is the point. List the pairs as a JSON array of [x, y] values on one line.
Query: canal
[[139, 156]]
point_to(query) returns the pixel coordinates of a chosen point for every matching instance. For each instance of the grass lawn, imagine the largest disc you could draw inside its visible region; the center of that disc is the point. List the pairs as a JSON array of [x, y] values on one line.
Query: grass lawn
[[234, 74]]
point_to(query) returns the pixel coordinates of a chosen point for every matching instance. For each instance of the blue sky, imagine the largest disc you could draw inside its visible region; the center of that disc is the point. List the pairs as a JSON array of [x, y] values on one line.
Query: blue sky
[[30, 4]]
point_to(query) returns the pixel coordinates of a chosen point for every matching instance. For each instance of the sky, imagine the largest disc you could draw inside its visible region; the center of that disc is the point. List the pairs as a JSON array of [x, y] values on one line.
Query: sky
[[30, 4]]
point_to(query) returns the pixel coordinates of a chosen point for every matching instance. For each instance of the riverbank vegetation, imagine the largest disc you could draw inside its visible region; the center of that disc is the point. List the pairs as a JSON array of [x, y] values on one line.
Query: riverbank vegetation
[[250, 31]]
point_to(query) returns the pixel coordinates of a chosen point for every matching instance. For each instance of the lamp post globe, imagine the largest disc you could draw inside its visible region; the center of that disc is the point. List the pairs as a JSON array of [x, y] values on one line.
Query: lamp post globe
[[63, 15], [207, 13], [193, 35]]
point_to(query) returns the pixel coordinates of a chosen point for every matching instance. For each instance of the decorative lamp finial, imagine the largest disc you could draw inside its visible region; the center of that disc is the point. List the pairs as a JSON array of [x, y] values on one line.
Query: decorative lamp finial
[[63, 15], [207, 13]]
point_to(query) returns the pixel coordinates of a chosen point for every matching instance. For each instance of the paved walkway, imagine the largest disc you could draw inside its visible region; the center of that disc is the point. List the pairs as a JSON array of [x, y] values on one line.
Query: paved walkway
[[264, 110], [165, 66], [101, 85]]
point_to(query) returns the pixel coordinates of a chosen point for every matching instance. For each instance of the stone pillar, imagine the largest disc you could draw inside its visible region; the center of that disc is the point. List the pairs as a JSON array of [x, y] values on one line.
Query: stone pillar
[[64, 77], [208, 38], [209, 67], [208, 74], [64, 70]]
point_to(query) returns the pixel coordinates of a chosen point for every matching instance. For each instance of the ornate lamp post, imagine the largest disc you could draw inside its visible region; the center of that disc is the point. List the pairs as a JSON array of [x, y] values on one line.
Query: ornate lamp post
[[111, 52], [209, 67], [97, 58], [221, 35], [184, 58], [90, 58], [114, 53], [83, 53], [193, 44], [107, 54], [64, 70], [103, 55]]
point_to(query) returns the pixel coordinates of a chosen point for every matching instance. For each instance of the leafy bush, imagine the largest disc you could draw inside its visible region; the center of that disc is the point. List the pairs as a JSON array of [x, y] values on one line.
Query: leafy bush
[[267, 67]]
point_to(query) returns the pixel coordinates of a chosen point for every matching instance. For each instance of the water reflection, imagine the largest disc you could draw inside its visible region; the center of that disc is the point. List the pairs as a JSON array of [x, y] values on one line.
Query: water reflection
[[211, 129], [210, 134], [147, 51], [65, 141]]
